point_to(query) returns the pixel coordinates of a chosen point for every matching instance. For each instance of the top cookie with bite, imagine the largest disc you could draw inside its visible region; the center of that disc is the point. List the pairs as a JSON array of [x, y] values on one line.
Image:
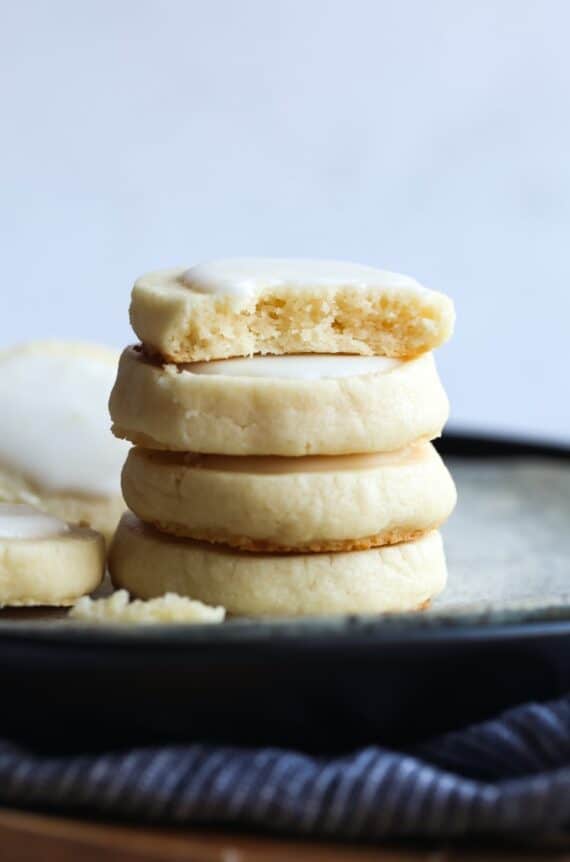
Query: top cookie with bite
[[243, 306]]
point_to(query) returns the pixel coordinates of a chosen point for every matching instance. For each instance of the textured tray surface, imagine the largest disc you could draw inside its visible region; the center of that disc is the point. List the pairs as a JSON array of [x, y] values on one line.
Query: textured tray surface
[[508, 542]]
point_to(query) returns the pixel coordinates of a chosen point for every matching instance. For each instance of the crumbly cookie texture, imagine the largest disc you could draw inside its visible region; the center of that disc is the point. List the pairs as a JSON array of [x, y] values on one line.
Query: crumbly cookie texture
[[55, 449], [272, 306], [395, 578], [169, 608], [171, 407], [311, 504]]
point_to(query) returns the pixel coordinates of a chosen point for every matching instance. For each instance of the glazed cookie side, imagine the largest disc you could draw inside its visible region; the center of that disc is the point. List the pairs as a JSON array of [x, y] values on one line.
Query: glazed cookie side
[[396, 578], [315, 503], [170, 407], [44, 561]]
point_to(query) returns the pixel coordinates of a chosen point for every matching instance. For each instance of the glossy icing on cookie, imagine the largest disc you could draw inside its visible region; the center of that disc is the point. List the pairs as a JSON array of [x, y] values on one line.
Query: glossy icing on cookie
[[309, 366], [247, 276]]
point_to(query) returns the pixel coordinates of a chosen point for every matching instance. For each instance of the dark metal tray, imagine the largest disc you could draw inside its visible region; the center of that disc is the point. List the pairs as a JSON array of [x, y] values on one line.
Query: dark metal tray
[[498, 636]]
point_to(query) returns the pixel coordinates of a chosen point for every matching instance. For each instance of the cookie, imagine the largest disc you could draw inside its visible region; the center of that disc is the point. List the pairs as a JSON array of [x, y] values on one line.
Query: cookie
[[395, 578], [316, 503], [243, 306], [169, 608], [278, 405], [56, 451], [44, 561]]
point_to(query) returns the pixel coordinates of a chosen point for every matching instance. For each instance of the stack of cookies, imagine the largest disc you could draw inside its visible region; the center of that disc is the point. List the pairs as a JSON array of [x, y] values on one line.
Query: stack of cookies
[[281, 412]]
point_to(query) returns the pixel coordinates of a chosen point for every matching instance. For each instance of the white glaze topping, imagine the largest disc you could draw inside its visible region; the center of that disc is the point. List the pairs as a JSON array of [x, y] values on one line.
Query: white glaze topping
[[55, 426], [20, 521], [242, 277], [307, 366]]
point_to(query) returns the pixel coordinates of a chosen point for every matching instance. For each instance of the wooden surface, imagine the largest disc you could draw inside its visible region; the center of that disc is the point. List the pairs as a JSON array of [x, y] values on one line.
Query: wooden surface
[[28, 837]]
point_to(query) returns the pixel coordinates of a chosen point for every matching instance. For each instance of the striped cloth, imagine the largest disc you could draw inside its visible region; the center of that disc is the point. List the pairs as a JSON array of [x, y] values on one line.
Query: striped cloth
[[510, 774]]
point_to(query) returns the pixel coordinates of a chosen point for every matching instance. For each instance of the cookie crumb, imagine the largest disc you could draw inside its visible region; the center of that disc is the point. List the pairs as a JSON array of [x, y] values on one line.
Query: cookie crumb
[[169, 608]]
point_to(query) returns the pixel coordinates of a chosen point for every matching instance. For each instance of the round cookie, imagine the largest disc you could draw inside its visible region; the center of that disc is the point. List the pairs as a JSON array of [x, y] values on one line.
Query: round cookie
[[395, 578], [44, 561], [316, 503], [243, 306], [56, 450], [278, 405]]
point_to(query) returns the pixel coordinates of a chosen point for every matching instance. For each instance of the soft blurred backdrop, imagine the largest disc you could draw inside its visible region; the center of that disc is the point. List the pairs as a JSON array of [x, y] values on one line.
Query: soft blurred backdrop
[[426, 136]]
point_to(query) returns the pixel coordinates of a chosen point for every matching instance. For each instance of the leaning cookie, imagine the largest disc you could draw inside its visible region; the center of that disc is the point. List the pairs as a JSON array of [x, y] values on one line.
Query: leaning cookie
[[395, 578], [56, 451], [278, 405], [44, 561], [243, 306], [335, 503]]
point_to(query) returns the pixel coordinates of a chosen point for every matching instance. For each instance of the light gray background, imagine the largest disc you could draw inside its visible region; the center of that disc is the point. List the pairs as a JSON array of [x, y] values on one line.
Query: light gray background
[[427, 136]]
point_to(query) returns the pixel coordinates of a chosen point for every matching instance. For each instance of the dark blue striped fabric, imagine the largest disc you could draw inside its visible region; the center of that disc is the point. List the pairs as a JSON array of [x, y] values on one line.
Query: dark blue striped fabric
[[511, 774]]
